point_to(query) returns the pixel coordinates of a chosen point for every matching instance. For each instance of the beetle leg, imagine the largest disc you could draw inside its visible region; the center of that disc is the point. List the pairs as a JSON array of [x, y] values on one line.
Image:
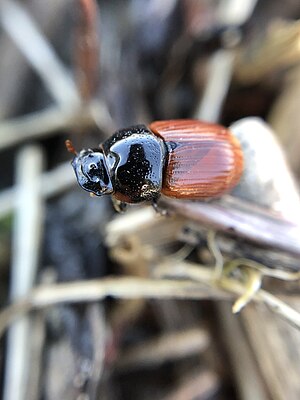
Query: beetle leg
[[119, 206], [160, 210]]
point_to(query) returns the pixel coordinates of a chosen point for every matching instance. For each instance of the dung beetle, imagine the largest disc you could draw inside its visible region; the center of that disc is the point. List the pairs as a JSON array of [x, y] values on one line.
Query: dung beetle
[[185, 159]]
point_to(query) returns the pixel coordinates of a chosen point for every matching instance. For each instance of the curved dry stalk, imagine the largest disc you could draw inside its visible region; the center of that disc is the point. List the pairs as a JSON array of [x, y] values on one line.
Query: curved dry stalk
[[253, 284], [253, 273], [204, 275], [203, 287], [265, 271], [215, 251], [99, 289]]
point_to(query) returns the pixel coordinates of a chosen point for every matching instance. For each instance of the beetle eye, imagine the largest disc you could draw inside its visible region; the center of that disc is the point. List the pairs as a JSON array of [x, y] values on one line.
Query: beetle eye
[[91, 170], [92, 167]]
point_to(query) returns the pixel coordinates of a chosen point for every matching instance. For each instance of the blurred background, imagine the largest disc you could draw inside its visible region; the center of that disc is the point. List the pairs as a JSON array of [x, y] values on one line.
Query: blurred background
[[80, 69]]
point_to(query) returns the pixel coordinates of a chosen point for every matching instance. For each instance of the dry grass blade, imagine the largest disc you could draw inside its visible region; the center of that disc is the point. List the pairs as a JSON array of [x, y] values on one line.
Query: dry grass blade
[[201, 385], [20, 26], [185, 270], [45, 123], [220, 72], [51, 183], [170, 346], [86, 49], [279, 49], [94, 290], [203, 287], [39, 125], [26, 243]]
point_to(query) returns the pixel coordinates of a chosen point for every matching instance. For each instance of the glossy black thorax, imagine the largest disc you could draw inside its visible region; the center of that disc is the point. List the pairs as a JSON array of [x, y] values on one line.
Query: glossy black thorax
[[135, 159]]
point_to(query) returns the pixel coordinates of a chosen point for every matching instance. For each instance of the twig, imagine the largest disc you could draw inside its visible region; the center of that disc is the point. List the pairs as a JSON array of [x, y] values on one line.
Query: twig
[[279, 49], [197, 385], [19, 25], [38, 338], [231, 13], [248, 381], [86, 49], [276, 348], [94, 290], [131, 288], [274, 273], [38, 125], [194, 272], [218, 81], [51, 184], [26, 245], [280, 308], [96, 318], [170, 346], [284, 117], [47, 122]]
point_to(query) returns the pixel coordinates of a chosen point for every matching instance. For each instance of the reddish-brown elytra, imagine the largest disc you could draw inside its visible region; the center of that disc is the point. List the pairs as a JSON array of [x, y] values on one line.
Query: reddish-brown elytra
[[204, 160], [186, 159]]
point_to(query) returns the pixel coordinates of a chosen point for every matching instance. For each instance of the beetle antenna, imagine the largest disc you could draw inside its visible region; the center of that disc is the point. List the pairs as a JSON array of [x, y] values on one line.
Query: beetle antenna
[[70, 147]]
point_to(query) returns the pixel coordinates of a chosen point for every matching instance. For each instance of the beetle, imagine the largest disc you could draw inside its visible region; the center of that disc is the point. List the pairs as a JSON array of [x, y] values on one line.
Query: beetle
[[184, 159]]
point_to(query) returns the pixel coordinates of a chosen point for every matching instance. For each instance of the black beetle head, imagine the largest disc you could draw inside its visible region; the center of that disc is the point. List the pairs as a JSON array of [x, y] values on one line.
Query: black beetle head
[[92, 173]]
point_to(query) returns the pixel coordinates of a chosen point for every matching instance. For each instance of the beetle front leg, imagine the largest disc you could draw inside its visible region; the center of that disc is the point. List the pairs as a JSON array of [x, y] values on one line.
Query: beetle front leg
[[119, 205], [159, 209]]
